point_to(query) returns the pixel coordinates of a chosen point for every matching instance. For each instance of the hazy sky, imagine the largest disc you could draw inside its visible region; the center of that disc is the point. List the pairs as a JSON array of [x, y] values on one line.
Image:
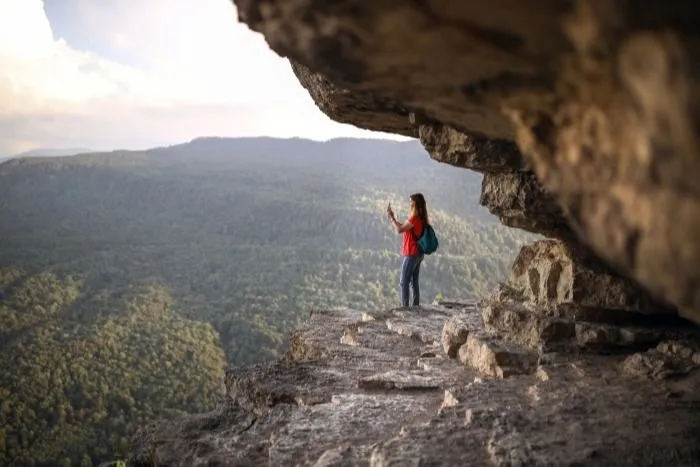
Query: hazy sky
[[108, 74]]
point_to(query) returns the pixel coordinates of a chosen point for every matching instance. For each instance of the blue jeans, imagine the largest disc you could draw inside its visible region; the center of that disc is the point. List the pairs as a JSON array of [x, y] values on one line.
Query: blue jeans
[[409, 275]]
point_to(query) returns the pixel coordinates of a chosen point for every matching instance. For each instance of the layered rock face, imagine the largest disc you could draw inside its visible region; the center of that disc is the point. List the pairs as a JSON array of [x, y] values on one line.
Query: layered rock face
[[509, 190], [558, 298], [600, 97]]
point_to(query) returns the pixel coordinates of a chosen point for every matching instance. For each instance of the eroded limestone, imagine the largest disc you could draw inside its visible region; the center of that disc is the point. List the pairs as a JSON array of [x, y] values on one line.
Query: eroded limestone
[[551, 273], [376, 113], [520, 201], [470, 151]]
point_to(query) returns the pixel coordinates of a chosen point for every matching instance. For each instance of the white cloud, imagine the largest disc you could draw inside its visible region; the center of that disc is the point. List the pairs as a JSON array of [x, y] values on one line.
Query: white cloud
[[194, 71]]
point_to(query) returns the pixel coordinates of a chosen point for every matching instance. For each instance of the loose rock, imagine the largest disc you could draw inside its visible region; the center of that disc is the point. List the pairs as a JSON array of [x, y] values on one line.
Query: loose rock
[[455, 333], [491, 356]]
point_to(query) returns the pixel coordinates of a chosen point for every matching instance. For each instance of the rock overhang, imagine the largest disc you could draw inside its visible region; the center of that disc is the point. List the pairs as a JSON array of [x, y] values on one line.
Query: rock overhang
[[599, 96]]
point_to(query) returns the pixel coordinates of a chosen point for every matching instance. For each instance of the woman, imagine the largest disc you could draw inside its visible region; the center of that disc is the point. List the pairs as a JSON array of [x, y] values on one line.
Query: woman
[[412, 230]]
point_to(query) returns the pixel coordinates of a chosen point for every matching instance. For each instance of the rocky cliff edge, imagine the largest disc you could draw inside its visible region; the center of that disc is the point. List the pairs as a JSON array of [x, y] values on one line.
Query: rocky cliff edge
[[434, 386]]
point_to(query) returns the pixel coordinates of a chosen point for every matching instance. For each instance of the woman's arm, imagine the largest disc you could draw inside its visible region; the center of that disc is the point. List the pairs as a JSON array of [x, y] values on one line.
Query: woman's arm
[[398, 227]]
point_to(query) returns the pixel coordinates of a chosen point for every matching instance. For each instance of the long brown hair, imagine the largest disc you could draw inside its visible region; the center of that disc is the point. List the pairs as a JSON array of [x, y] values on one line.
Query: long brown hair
[[420, 208]]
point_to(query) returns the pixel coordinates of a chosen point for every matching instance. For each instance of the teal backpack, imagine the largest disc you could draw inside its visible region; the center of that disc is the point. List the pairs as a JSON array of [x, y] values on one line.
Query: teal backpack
[[428, 242]]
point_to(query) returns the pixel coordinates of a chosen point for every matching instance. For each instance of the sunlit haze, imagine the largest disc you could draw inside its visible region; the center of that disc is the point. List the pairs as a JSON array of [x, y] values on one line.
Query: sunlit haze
[[125, 74]]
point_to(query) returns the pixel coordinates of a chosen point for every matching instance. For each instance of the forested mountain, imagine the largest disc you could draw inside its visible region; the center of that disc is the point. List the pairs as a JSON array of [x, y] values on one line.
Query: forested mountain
[[80, 372], [127, 276]]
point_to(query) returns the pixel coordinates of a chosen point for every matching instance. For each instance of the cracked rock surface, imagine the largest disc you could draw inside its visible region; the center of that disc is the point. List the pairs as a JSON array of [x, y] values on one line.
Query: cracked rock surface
[[396, 397]]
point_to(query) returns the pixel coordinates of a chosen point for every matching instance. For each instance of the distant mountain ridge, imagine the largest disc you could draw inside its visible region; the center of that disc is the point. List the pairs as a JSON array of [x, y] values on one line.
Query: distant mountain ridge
[[224, 143], [297, 152], [50, 152], [217, 142]]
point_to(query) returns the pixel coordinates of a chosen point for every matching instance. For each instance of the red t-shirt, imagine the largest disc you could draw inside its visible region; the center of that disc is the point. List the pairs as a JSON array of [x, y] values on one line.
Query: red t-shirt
[[410, 239]]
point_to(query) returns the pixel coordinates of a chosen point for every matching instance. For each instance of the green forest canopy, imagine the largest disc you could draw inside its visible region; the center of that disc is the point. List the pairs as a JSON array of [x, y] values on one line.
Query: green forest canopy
[[130, 277]]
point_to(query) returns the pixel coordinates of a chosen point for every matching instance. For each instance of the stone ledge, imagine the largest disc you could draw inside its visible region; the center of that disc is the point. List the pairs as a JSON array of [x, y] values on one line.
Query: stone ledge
[[373, 112], [451, 146], [393, 399], [519, 201]]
